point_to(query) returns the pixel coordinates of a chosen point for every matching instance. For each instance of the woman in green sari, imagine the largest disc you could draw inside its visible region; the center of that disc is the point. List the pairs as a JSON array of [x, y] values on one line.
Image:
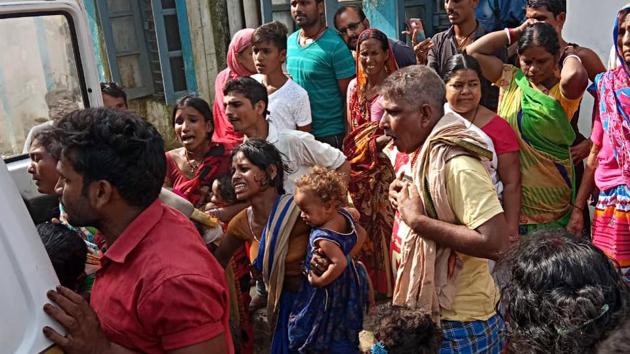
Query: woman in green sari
[[538, 100]]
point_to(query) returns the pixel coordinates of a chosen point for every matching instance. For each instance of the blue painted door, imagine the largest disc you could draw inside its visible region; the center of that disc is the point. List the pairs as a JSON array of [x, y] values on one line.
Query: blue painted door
[[391, 16]]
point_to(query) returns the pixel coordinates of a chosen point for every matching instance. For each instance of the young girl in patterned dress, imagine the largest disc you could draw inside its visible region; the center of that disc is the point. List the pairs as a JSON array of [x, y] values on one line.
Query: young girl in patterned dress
[[329, 314]]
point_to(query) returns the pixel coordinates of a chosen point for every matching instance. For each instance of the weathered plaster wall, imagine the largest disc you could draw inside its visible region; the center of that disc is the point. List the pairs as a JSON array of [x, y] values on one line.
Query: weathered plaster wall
[[590, 24], [159, 114], [209, 54], [207, 20]]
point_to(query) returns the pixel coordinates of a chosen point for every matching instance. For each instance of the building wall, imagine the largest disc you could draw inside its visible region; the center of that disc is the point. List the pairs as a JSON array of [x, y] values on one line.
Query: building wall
[[38, 77], [208, 23], [208, 31], [590, 24]]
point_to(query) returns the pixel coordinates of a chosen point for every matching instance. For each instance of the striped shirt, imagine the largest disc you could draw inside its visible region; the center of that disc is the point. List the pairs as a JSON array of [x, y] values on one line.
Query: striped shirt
[[316, 68]]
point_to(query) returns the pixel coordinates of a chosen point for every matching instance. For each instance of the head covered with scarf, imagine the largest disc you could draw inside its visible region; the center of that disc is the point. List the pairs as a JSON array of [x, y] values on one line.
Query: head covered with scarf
[[358, 103], [390, 64], [618, 42], [241, 40], [223, 130], [613, 98]]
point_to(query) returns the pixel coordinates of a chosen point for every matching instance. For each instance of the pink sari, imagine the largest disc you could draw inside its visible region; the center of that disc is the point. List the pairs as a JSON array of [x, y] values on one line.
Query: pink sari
[[223, 130], [611, 131]]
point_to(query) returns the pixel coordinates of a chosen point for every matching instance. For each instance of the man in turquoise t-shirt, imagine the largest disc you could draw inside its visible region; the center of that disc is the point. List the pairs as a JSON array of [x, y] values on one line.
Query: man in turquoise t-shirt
[[320, 62]]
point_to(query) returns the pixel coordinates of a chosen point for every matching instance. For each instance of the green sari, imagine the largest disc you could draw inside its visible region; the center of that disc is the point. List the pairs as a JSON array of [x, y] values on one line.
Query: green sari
[[542, 124]]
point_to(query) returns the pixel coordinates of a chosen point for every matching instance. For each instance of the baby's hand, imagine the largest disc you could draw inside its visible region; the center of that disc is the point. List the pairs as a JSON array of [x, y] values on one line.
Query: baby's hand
[[319, 262]]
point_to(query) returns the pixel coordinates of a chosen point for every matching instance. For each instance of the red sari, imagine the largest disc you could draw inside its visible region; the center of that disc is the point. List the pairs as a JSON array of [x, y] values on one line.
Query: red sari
[[197, 190], [370, 177]]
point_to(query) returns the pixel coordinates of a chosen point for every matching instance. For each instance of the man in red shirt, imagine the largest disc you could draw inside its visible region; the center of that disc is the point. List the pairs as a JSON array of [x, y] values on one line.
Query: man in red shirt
[[158, 290]]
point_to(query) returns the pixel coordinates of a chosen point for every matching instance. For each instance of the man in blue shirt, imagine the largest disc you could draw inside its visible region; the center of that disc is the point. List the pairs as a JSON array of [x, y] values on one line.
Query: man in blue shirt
[[495, 15], [320, 62]]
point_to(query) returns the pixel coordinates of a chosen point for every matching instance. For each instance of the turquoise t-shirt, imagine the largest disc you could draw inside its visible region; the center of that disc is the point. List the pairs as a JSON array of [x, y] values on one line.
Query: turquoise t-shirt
[[316, 68]]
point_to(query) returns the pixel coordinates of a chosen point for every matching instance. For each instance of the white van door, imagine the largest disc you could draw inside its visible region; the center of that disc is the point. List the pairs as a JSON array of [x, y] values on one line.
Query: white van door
[[26, 274], [47, 68]]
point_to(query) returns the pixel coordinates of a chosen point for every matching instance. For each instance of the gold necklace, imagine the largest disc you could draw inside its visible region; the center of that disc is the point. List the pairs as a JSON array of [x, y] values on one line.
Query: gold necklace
[[192, 164]]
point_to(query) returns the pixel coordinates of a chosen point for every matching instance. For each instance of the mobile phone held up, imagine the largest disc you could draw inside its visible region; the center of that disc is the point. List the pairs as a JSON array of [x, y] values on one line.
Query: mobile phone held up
[[416, 24]]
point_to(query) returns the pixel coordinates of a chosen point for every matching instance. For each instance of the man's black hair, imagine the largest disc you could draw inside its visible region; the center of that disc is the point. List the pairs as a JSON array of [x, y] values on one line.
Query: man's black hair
[[273, 32], [556, 7], [253, 90], [344, 8], [116, 146], [113, 89]]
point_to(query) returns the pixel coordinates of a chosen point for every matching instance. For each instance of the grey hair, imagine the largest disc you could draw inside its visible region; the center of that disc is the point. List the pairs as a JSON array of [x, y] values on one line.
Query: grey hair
[[417, 85], [45, 138]]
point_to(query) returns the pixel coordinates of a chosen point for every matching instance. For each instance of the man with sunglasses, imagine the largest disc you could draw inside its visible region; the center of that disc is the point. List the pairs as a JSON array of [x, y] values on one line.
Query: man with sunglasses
[[350, 21]]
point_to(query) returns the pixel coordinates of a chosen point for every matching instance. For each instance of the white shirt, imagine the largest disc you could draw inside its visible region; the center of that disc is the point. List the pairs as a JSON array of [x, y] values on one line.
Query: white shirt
[[300, 152], [289, 107]]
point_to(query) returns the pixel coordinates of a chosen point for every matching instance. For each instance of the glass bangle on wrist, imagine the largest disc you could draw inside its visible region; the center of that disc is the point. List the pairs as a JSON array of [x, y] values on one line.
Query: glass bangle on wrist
[[571, 56], [577, 207], [512, 35], [507, 34]]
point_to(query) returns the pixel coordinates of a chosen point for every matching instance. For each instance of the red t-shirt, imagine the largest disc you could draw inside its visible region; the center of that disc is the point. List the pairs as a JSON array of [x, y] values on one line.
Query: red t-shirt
[[159, 288], [502, 135]]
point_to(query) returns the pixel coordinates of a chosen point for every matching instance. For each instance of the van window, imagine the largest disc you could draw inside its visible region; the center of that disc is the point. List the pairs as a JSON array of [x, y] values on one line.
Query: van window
[[39, 79]]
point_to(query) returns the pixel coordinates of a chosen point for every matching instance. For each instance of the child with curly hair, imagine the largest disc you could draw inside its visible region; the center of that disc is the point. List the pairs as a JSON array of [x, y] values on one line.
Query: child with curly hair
[[223, 192], [402, 330], [329, 313]]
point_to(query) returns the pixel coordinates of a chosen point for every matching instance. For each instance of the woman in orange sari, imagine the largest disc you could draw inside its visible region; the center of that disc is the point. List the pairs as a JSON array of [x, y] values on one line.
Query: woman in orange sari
[[372, 171]]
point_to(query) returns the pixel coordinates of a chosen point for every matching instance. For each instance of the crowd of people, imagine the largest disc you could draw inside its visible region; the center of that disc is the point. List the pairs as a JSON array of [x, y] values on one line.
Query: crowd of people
[[438, 188]]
